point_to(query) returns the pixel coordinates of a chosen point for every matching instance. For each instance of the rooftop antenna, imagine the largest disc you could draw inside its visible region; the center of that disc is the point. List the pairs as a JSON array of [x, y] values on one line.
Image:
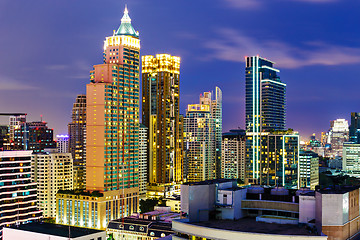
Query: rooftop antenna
[[41, 117]]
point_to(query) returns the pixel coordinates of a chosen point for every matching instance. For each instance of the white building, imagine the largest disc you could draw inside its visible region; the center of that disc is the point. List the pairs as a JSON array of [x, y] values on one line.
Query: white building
[[62, 143], [351, 159], [47, 231], [142, 160], [337, 136], [308, 169], [51, 172]]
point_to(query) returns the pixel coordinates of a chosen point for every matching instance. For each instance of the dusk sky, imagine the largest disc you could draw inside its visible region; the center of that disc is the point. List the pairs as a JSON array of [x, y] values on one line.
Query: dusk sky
[[47, 49]]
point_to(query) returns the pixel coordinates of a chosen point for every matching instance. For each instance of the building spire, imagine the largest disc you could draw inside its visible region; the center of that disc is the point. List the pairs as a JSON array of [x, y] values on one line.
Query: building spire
[[125, 27]]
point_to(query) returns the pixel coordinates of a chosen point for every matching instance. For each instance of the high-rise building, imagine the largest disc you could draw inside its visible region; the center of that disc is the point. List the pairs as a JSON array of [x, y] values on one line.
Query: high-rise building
[[62, 143], [143, 140], [351, 159], [77, 141], [308, 169], [14, 123], [18, 192], [354, 131], [337, 136], [265, 96], [233, 154], [199, 140], [215, 103], [112, 142], [51, 171], [160, 108], [35, 136], [4, 137], [265, 110], [278, 162]]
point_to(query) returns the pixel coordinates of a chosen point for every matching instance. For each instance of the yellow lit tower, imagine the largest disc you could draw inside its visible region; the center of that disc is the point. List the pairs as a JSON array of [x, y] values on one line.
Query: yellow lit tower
[[160, 106]]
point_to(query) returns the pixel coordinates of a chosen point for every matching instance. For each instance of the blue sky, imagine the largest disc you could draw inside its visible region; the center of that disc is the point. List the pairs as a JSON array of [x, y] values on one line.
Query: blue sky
[[47, 49]]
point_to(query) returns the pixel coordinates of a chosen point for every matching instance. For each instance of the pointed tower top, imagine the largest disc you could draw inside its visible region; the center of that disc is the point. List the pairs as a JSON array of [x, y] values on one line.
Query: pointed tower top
[[126, 28]]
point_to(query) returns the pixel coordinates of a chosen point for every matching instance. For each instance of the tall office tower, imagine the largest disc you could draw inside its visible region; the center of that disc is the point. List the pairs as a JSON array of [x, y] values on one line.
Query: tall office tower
[[215, 103], [112, 129], [62, 143], [77, 141], [200, 146], [143, 142], [35, 135], [354, 131], [265, 96], [337, 136], [308, 169], [51, 171], [233, 154], [160, 113], [18, 192], [278, 162]]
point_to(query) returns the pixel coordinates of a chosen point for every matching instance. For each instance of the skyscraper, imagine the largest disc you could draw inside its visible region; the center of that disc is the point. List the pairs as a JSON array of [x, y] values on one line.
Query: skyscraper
[[265, 111], [160, 107], [215, 103], [77, 141], [62, 143], [265, 96], [199, 139], [112, 142], [143, 166], [337, 136], [354, 131]]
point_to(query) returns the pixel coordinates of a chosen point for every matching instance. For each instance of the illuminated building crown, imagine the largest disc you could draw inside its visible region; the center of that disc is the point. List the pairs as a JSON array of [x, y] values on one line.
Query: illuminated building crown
[[125, 27]]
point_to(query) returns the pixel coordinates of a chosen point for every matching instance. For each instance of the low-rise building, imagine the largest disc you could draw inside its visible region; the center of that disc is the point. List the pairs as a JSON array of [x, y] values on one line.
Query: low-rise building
[[94, 209], [308, 169], [47, 231], [146, 226]]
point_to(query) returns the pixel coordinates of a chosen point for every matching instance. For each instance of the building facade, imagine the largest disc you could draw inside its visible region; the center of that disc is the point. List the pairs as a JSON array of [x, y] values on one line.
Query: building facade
[[17, 191], [160, 113], [143, 143], [77, 141], [308, 169], [278, 162], [337, 136], [200, 146], [51, 172], [94, 210], [233, 154]]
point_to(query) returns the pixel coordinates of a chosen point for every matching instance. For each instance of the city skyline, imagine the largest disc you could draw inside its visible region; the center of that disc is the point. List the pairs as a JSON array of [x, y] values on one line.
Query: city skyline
[[63, 42]]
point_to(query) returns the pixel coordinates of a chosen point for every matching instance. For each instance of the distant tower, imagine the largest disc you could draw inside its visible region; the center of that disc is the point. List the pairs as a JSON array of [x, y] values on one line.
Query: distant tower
[[354, 131], [160, 107], [62, 143], [77, 140]]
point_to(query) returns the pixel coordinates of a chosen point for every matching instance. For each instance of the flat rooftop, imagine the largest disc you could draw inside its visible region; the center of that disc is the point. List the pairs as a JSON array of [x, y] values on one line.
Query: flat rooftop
[[208, 182], [251, 225], [56, 229]]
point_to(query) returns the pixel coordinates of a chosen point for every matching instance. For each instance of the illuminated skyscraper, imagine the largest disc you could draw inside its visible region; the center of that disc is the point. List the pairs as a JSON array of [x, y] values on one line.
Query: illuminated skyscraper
[[112, 136], [354, 131], [77, 141], [200, 147], [265, 96], [265, 111], [160, 106]]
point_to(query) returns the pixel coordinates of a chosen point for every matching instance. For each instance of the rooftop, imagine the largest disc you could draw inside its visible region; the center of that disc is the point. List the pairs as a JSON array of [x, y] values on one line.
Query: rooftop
[[208, 182], [251, 225], [56, 229], [338, 189]]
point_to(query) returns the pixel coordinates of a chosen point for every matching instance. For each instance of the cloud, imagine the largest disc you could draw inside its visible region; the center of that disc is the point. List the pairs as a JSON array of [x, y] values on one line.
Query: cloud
[[234, 46], [8, 84], [256, 4]]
